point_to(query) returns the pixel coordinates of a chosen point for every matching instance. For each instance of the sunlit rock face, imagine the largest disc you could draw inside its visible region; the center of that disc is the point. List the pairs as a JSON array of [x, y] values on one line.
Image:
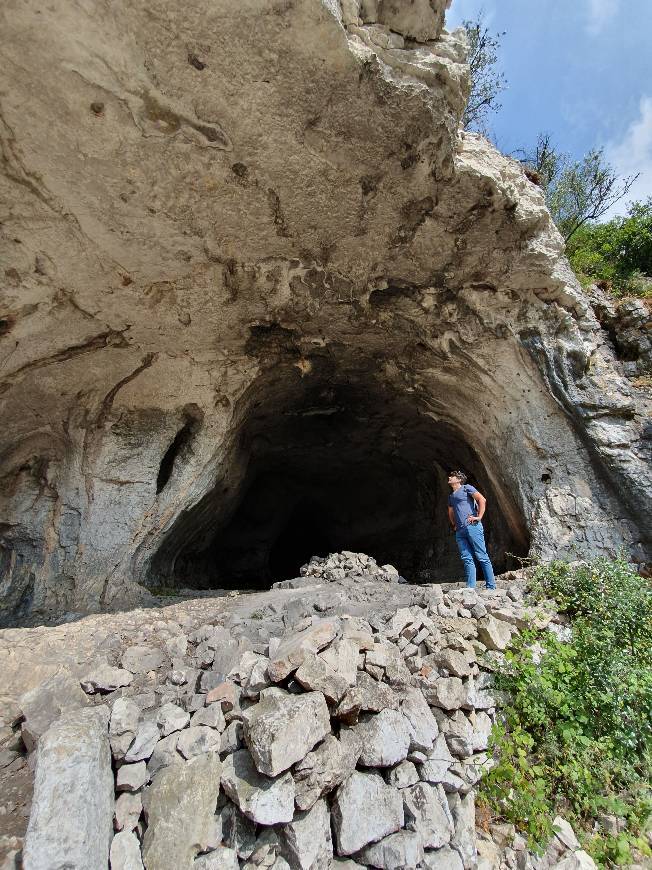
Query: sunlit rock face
[[259, 295]]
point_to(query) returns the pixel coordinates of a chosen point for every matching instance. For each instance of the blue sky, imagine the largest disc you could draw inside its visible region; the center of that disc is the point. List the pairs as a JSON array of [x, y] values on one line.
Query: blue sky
[[580, 70]]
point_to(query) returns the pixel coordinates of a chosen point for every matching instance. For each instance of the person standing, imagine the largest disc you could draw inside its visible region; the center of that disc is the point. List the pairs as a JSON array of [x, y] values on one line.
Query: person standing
[[466, 507]]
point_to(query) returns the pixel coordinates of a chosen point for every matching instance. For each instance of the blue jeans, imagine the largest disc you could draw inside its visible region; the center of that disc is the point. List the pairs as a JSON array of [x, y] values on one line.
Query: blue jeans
[[470, 542]]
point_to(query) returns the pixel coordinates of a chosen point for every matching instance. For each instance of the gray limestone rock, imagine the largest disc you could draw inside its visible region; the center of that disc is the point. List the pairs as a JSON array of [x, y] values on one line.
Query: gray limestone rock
[[44, 704], [128, 808], [131, 777], [263, 800], [400, 851], [463, 840], [142, 657], [125, 714], [385, 738], [238, 832], [315, 674], [403, 775], [104, 678], [171, 717], [164, 754], [222, 858], [427, 813], [495, 634], [342, 655], [307, 842], [421, 722], [211, 716], [365, 809], [445, 859], [125, 852], [280, 731], [293, 649], [147, 736], [449, 693], [367, 696], [71, 820], [326, 767], [198, 739], [179, 807], [455, 662]]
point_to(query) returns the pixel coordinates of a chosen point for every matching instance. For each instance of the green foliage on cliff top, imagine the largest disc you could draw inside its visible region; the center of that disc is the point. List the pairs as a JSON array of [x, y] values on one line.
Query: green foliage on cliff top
[[618, 253], [576, 736]]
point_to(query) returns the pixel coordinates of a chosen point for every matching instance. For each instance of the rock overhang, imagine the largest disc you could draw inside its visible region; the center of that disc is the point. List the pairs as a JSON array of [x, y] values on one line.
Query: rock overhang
[[206, 196]]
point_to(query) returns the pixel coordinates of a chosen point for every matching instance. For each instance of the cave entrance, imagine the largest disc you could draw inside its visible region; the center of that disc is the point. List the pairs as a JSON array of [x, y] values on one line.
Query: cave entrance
[[318, 465]]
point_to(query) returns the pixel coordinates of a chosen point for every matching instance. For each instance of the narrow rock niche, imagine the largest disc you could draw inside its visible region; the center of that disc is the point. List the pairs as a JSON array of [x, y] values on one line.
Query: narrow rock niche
[[323, 463]]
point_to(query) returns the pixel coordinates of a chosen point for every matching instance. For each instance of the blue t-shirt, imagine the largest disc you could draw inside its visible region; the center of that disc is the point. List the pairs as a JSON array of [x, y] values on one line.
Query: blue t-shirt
[[463, 505]]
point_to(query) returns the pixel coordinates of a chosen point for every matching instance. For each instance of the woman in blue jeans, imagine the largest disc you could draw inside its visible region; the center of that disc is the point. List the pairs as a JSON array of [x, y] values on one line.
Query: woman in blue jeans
[[466, 507]]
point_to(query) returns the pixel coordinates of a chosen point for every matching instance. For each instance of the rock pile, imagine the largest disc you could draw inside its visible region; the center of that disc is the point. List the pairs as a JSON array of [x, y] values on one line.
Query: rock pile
[[337, 566], [344, 742]]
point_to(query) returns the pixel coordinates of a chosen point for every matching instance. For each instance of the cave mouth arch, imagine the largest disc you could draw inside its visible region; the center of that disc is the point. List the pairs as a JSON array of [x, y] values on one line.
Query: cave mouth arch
[[319, 464]]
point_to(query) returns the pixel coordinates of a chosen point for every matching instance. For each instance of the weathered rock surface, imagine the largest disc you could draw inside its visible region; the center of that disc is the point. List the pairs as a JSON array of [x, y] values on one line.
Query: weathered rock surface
[[179, 807], [400, 851], [427, 814], [209, 263], [365, 809], [326, 767], [307, 840], [44, 704], [71, 821], [385, 739], [281, 731], [263, 800], [125, 852]]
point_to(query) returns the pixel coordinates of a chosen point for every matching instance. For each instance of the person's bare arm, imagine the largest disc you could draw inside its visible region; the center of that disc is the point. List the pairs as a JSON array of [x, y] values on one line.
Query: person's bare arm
[[451, 518], [481, 502]]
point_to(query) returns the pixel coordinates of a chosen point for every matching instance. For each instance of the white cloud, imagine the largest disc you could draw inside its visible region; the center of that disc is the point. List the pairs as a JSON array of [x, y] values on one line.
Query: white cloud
[[632, 154], [600, 13]]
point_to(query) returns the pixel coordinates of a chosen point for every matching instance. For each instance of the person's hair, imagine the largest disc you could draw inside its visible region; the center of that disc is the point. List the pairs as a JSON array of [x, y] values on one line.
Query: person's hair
[[459, 475]]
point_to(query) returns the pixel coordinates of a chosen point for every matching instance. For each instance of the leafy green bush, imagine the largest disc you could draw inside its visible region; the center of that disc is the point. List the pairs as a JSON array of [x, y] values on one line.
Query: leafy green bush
[[576, 734], [617, 253]]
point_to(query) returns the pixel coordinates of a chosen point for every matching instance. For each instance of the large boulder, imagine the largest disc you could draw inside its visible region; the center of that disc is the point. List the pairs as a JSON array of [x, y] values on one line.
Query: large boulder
[[179, 807], [280, 731], [71, 820]]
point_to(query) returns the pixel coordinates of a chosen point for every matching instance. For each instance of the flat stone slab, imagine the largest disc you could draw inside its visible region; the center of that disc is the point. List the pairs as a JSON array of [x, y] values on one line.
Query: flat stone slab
[[280, 731], [71, 821]]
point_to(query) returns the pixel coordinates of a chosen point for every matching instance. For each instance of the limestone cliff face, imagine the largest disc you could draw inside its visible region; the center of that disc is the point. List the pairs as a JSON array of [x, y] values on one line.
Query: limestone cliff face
[[254, 279]]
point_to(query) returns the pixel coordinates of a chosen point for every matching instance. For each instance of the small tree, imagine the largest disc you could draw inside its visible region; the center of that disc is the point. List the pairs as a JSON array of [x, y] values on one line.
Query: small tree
[[577, 191], [486, 81], [585, 191]]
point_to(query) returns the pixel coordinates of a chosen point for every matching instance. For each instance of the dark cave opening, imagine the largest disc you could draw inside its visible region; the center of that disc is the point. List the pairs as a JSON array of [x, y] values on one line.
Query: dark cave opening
[[320, 467], [305, 534]]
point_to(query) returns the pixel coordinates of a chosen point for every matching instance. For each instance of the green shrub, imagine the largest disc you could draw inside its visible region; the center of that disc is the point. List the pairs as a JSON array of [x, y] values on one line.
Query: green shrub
[[617, 254], [576, 734]]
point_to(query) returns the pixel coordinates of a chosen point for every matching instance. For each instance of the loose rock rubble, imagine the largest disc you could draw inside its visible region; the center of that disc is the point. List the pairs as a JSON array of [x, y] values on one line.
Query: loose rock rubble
[[336, 566], [340, 741]]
